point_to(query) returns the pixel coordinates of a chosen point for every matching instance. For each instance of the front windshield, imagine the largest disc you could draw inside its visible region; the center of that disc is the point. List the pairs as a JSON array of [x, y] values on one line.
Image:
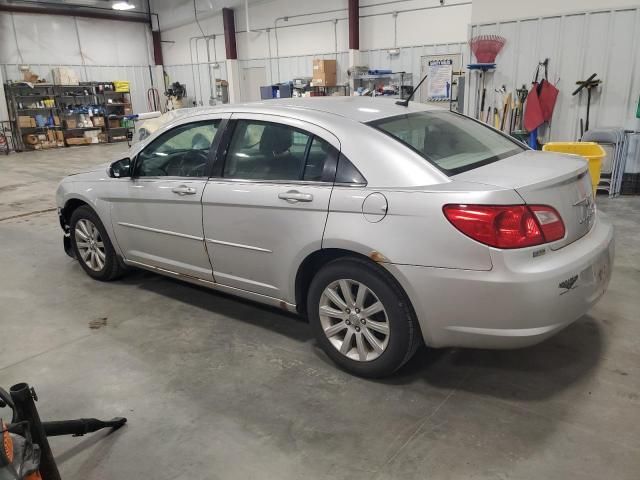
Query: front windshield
[[452, 142]]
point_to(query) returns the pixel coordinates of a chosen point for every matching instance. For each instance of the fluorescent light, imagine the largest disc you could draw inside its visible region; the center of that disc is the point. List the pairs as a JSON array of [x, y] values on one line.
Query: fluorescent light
[[123, 6]]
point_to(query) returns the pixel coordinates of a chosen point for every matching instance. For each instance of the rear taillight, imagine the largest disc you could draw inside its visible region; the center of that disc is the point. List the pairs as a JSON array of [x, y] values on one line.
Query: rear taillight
[[507, 226], [550, 222]]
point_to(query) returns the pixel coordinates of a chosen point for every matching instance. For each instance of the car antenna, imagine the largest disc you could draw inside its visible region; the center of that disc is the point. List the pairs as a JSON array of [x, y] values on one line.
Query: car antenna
[[405, 103]]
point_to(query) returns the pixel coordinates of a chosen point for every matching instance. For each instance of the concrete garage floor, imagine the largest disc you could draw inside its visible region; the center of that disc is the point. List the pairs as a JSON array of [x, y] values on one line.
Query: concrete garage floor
[[215, 387]]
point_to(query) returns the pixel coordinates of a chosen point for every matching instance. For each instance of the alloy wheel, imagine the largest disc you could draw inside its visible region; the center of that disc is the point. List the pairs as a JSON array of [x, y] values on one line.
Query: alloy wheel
[[354, 320], [90, 244]]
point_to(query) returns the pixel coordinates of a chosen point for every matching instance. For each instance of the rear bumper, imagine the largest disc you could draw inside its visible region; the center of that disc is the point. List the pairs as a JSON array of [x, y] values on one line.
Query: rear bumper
[[520, 302]]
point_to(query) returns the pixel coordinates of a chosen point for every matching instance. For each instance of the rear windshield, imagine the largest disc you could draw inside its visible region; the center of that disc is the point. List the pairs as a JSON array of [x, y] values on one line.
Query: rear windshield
[[451, 142]]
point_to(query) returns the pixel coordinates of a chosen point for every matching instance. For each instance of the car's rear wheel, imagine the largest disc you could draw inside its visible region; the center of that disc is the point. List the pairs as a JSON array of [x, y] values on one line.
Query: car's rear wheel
[[92, 246], [361, 318]]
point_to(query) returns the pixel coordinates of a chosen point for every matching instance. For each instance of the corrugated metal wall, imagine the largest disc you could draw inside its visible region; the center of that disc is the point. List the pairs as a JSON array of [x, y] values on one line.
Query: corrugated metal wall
[[138, 75], [578, 45]]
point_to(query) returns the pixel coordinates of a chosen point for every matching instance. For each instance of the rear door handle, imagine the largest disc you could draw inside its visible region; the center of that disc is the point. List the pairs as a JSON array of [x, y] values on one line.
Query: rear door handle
[[293, 196], [184, 190]]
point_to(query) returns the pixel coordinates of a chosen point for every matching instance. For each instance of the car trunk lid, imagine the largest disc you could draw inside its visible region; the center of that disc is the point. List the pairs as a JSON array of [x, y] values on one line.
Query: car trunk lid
[[545, 178]]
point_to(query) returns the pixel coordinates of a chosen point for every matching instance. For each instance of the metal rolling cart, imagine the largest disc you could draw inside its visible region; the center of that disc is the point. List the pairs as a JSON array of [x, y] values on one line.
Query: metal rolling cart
[[7, 140], [385, 83]]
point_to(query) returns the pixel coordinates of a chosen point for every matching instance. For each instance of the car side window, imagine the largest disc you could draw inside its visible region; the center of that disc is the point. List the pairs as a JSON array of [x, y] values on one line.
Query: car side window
[[266, 151], [348, 173], [181, 152], [321, 157]]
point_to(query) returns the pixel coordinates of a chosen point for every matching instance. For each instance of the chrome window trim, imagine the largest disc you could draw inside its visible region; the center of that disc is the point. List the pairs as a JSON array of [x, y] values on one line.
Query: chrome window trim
[[273, 182], [169, 178], [350, 185]]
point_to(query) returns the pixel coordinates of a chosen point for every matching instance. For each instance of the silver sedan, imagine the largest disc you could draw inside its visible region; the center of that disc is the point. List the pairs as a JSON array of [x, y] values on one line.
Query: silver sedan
[[387, 226]]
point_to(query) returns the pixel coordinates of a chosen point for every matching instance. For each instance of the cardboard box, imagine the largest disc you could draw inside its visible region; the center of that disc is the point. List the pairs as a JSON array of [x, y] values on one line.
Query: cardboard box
[[325, 79], [324, 66], [56, 120], [64, 76], [25, 121], [71, 123], [92, 135], [59, 136], [97, 121], [78, 141], [114, 123]]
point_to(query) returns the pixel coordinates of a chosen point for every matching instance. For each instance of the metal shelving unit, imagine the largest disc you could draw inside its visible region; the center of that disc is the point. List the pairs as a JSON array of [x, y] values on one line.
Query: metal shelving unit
[[116, 111], [69, 112], [24, 105], [328, 90]]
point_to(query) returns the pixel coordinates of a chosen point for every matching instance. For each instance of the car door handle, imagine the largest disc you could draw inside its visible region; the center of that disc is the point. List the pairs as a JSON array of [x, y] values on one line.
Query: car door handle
[[184, 190], [293, 196]]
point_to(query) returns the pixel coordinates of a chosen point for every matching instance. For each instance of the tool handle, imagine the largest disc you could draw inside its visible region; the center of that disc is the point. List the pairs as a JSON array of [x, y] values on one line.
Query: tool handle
[[24, 398], [80, 426]]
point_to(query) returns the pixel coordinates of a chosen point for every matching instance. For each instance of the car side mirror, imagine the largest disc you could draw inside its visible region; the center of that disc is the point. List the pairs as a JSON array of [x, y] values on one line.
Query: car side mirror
[[120, 168]]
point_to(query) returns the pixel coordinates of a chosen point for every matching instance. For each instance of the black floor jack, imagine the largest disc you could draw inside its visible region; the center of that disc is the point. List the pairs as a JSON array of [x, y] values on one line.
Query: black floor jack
[[24, 449]]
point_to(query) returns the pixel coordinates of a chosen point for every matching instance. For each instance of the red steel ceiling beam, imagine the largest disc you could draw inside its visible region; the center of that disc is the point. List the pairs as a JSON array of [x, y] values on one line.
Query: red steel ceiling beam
[[354, 25], [66, 12], [228, 20]]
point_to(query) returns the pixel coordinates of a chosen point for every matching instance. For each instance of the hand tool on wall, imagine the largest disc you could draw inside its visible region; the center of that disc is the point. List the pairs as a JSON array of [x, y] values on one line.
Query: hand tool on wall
[[505, 111], [522, 97], [588, 84], [485, 48], [484, 94], [499, 100]]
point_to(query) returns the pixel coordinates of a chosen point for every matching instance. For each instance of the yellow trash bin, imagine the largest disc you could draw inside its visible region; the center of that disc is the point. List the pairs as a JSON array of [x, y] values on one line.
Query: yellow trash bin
[[593, 152]]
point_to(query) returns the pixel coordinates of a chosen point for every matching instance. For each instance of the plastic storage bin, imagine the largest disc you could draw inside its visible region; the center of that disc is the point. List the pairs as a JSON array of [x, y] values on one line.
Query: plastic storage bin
[[121, 86], [593, 152]]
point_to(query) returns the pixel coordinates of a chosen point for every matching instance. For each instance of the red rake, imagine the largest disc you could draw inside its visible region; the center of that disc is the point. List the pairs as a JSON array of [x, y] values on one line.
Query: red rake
[[486, 47]]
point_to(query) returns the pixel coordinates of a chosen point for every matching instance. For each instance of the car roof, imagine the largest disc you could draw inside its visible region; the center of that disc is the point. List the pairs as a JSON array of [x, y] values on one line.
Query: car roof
[[358, 108]]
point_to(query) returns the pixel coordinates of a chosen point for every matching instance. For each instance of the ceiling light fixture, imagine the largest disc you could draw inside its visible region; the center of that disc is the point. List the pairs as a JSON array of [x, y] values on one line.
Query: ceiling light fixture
[[123, 6]]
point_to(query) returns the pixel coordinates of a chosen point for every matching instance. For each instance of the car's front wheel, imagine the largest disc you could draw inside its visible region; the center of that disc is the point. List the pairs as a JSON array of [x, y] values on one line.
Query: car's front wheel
[[92, 246], [361, 318]]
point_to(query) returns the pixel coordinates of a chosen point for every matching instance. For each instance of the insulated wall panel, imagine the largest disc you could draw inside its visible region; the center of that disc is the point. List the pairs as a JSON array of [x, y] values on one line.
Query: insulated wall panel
[[61, 40]]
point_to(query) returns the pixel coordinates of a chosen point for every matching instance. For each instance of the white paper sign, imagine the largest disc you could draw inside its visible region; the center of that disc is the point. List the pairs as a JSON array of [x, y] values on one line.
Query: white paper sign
[[439, 80]]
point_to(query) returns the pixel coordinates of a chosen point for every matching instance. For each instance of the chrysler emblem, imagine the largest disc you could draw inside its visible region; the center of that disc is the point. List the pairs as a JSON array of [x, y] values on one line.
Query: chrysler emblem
[[588, 208]]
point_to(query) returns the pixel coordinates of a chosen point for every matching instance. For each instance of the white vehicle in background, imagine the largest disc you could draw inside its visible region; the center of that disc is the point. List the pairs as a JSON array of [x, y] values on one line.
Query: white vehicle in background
[[147, 123]]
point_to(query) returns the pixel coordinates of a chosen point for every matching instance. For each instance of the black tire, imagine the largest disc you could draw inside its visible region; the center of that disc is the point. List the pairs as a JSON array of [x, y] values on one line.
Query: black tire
[[404, 332], [111, 269]]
